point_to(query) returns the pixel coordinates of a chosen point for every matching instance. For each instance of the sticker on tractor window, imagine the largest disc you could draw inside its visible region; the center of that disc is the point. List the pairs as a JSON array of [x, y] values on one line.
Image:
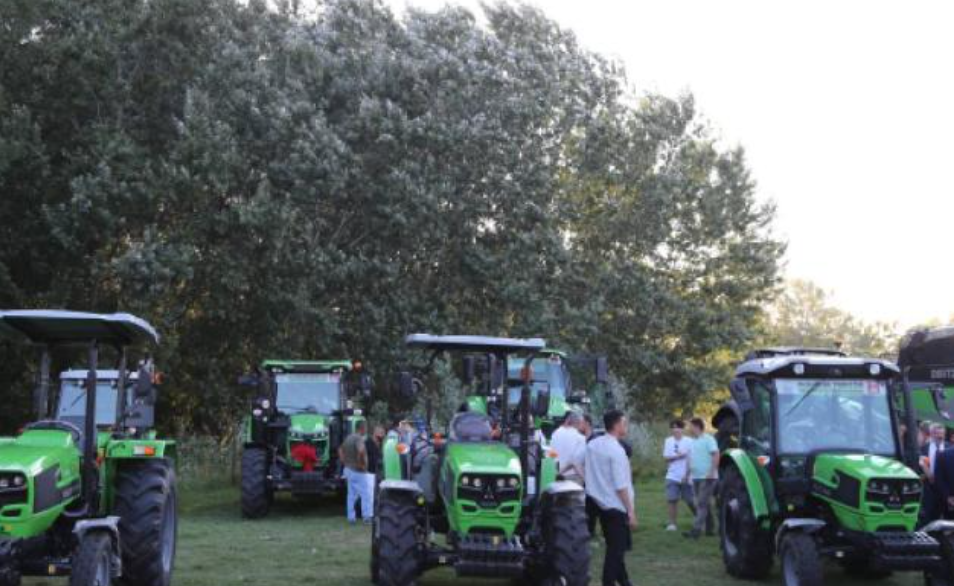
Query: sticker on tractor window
[[831, 387]]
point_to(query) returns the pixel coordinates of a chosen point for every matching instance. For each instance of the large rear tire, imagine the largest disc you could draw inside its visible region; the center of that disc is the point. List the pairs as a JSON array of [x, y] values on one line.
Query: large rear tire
[[801, 564], [566, 542], [92, 563], [746, 547], [395, 541], [145, 503], [256, 494]]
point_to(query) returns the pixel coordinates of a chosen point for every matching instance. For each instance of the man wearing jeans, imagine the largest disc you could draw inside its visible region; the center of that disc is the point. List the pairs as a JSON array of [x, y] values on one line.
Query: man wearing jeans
[[609, 482], [354, 455], [704, 471]]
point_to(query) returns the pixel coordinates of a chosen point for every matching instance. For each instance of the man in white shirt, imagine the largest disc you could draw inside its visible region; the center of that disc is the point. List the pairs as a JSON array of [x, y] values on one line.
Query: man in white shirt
[[678, 487], [568, 441], [609, 482]]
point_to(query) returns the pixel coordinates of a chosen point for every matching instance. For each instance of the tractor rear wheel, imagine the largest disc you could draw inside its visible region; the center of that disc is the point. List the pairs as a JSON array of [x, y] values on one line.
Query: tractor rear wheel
[[145, 502], [801, 564], [256, 495], [746, 547], [9, 575], [567, 547], [394, 542], [92, 563]]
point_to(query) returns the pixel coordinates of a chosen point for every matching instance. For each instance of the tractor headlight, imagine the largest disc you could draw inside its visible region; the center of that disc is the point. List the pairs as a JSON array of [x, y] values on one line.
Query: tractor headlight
[[257, 412], [266, 404], [478, 482], [12, 481], [878, 487], [514, 482], [501, 483], [465, 480], [912, 488]]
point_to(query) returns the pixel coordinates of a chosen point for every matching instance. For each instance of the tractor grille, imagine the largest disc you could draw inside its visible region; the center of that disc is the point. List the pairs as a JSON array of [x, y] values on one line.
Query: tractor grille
[[489, 491], [893, 493], [490, 556]]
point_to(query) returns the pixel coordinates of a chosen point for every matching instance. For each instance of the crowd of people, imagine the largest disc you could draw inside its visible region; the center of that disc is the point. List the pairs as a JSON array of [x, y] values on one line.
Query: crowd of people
[[937, 472]]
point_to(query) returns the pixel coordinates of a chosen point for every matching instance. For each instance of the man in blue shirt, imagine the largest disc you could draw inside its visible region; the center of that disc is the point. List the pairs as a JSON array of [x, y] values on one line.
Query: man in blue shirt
[[704, 472]]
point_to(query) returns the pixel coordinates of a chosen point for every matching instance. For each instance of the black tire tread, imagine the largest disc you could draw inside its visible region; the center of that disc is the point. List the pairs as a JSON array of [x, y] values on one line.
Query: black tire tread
[[9, 574], [85, 560], [144, 488], [808, 564], [753, 560], [396, 540], [567, 547], [256, 498]]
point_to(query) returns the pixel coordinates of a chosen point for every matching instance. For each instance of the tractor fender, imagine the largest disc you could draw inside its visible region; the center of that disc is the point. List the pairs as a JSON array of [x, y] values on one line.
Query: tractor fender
[[110, 526], [808, 526], [563, 487], [753, 482], [406, 486], [943, 527], [393, 462]]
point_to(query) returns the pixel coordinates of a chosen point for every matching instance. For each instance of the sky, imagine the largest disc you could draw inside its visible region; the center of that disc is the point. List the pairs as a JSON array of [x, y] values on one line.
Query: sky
[[846, 112]]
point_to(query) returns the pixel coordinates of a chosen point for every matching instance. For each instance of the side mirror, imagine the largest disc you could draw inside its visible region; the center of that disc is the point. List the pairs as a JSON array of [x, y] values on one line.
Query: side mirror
[[406, 387], [248, 380], [740, 392], [602, 371]]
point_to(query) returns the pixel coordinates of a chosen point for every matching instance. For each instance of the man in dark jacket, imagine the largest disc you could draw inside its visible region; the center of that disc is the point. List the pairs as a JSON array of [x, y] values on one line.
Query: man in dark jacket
[[933, 502], [944, 484]]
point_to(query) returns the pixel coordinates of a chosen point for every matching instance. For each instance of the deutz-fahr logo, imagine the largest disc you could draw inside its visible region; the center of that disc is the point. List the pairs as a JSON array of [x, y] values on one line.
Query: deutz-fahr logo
[[942, 373]]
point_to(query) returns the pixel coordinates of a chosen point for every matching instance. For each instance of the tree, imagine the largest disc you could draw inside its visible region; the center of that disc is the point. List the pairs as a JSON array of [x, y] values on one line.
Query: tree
[[803, 315]]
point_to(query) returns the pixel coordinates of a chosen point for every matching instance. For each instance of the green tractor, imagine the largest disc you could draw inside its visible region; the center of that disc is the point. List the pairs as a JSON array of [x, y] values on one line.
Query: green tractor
[[490, 489], [927, 359], [303, 412], [551, 374], [88, 491], [818, 471]]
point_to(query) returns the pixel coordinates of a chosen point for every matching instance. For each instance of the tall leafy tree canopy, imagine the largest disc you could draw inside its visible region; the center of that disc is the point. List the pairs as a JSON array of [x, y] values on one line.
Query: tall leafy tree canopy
[[259, 184]]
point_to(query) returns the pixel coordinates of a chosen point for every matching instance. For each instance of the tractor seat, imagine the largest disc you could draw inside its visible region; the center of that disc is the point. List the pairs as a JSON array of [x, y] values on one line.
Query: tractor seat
[[54, 425], [470, 427]]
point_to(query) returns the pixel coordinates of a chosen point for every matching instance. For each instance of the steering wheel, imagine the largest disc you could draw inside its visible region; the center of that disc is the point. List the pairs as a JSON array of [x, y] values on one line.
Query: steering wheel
[[55, 425]]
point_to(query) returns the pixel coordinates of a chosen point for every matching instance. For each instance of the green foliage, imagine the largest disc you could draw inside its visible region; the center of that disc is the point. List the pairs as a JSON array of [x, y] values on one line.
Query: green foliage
[[259, 184], [803, 315]]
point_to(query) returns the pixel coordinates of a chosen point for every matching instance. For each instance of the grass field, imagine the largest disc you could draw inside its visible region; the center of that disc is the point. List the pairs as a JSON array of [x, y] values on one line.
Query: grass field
[[310, 543]]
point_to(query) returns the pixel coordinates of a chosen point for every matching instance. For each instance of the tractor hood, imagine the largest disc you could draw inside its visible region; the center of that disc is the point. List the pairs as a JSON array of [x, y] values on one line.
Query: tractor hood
[[35, 451], [308, 424], [868, 493], [487, 458], [860, 467]]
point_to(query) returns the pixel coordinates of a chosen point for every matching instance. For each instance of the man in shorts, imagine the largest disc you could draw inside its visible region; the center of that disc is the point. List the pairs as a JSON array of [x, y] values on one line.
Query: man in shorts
[[678, 487]]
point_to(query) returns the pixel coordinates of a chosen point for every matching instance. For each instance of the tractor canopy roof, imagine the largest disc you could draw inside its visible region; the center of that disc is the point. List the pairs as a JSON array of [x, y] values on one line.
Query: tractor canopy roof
[[101, 375], [792, 351], [933, 347], [817, 366], [56, 327], [307, 365], [475, 343]]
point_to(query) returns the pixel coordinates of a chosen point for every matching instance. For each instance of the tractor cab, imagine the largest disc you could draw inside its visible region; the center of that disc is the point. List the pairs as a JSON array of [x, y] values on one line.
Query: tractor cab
[[927, 360], [487, 485], [818, 468], [552, 389], [84, 471], [302, 411]]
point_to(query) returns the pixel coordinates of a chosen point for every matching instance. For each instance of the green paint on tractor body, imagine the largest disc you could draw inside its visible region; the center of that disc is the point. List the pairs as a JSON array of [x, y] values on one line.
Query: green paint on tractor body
[[468, 510]]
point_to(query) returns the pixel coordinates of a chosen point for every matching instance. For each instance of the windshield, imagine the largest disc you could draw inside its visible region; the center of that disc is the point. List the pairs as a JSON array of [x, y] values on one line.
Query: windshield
[[309, 393], [818, 415], [73, 402], [547, 372]]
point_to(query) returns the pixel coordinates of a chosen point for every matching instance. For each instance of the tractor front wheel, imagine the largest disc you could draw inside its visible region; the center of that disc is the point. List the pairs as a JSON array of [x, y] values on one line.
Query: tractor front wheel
[[746, 547], [567, 547], [394, 543], [92, 563], [256, 494], [145, 503], [944, 577], [9, 575], [801, 564]]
